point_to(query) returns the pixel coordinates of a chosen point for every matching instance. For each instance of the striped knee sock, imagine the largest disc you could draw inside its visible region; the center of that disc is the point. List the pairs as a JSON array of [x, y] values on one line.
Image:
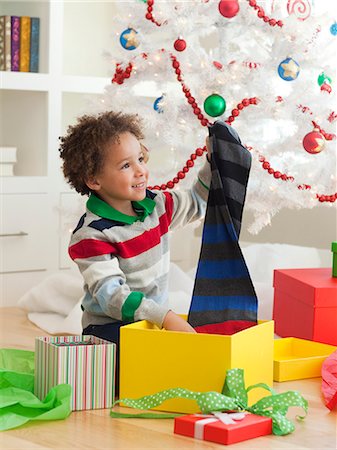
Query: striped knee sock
[[224, 300]]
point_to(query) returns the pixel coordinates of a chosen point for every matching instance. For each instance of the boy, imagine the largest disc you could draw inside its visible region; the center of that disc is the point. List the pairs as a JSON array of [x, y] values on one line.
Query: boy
[[121, 243]]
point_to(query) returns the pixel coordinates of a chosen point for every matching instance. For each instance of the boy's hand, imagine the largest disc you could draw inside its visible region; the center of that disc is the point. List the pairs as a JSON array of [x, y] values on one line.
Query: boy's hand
[[208, 146], [173, 322]]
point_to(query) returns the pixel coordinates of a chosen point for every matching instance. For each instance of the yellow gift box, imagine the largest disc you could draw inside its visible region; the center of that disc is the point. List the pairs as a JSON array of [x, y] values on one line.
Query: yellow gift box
[[295, 359], [152, 360]]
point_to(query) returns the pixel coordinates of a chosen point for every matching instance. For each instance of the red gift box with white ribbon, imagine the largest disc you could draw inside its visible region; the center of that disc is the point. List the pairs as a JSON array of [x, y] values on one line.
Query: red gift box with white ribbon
[[223, 428]]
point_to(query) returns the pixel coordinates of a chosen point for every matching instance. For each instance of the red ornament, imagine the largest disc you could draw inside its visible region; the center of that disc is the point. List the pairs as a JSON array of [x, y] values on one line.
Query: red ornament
[[180, 45], [326, 87], [218, 65], [313, 142], [228, 8]]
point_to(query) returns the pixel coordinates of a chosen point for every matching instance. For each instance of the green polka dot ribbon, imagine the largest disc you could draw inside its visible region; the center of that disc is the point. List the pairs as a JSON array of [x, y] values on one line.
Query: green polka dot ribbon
[[234, 397]]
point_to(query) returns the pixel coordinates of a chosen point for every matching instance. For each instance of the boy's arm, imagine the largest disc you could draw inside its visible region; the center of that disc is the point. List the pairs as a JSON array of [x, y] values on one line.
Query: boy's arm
[[108, 292], [190, 205], [173, 322]]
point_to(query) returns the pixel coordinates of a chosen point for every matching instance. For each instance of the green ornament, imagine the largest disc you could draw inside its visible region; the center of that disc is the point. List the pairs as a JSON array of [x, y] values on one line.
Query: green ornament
[[322, 78], [214, 105]]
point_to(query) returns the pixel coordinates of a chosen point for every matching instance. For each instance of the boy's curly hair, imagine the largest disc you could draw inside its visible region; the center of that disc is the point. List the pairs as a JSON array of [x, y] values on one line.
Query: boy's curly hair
[[83, 147]]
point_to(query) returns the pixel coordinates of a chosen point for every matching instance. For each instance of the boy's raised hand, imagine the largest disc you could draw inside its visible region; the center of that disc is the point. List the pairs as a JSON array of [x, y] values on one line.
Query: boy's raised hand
[[208, 146], [173, 322]]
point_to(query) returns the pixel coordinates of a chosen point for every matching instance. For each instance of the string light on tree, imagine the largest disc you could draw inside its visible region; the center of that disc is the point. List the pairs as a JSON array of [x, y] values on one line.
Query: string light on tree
[[128, 39], [228, 8], [314, 142]]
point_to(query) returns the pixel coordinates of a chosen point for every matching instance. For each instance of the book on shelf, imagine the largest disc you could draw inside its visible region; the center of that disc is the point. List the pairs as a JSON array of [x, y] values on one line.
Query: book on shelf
[[7, 155], [7, 169], [15, 43], [5, 43], [24, 43], [34, 44], [19, 43], [2, 43]]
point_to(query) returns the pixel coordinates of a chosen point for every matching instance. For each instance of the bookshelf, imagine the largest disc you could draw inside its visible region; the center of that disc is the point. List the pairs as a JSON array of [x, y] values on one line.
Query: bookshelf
[[38, 209]]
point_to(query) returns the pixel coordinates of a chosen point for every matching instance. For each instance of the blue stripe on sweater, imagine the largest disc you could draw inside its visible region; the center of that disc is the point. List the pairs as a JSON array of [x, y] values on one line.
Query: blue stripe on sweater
[[217, 233], [225, 268], [104, 224], [219, 303]]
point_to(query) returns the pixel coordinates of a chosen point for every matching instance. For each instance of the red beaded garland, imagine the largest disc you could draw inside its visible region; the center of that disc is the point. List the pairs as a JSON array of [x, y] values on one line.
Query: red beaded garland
[[119, 77], [182, 173], [327, 198], [278, 175], [149, 15], [261, 14], [327, 136], [191, 100]]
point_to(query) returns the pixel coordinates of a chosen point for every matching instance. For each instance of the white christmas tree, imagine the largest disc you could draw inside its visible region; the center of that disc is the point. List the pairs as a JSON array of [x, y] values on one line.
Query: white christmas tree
[[265, 67]]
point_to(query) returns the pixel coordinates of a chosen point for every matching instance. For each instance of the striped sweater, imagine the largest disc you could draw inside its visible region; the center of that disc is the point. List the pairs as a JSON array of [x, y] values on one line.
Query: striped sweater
[[124, 260]]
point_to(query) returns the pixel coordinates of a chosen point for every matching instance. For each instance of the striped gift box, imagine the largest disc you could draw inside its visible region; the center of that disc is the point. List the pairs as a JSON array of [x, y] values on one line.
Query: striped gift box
[[87, 363]]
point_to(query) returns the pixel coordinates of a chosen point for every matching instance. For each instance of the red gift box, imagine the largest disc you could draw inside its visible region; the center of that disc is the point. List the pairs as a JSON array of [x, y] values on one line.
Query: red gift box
[[305, 304], [213, 428]]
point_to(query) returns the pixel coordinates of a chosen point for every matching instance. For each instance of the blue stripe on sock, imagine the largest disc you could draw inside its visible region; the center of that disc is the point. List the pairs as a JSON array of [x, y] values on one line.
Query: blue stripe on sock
[[219, 303], [217, 233], [225, 268]]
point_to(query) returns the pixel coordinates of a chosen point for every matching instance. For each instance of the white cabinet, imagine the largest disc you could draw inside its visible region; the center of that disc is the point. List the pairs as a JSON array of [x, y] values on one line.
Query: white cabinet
[[37, 206], [23, 233]]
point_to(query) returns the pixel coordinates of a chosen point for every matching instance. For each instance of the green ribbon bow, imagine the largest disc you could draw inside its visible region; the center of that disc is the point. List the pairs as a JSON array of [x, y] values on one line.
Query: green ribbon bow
[[233, 398]]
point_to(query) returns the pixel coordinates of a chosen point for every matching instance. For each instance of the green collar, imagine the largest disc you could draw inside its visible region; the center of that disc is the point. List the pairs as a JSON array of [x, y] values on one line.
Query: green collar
[[102, 209]]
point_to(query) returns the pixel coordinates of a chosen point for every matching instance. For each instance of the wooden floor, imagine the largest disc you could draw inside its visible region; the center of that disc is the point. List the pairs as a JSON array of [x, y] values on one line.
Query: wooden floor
[[97, 430]]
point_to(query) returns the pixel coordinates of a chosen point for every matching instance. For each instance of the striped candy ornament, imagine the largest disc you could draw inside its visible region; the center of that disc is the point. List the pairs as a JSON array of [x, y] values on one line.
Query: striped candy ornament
[[87, 363]]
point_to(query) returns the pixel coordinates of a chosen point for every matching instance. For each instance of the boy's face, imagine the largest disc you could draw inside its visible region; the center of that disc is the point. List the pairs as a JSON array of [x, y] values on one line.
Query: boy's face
[[124, 175]]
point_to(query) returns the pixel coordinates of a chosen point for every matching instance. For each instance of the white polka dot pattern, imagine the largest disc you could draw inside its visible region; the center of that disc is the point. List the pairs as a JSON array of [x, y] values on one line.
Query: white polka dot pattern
[[233, 398]]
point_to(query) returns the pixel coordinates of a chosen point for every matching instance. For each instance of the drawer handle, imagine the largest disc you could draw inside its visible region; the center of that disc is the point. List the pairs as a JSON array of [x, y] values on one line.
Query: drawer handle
[[20, 233]]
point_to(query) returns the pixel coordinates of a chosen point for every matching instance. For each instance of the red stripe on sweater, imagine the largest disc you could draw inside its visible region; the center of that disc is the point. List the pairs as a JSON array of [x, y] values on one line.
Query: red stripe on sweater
[[229, 327], [92, 247], [169, 205], [145, 241]]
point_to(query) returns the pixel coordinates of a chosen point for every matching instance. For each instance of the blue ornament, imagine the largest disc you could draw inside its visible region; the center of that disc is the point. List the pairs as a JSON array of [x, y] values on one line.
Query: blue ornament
[[288, 69], [156, 105], [128, 39], [333, 29]]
